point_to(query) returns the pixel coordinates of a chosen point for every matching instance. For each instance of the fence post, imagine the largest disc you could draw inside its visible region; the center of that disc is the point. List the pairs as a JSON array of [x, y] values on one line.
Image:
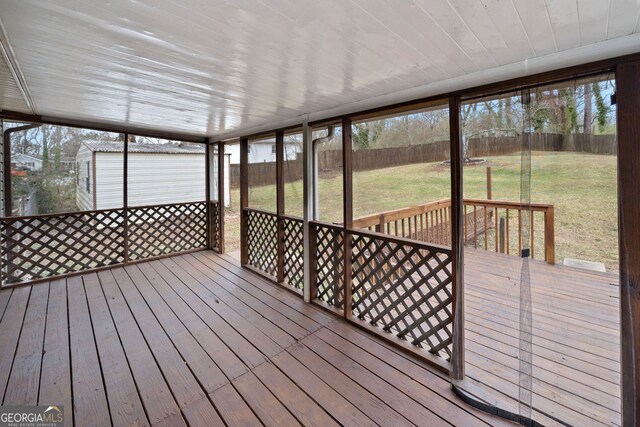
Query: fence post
[[489, 194], [549, 236]]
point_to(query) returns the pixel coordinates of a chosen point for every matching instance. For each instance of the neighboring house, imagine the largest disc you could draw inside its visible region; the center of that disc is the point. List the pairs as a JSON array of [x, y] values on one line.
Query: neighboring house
[[34, 162], [26, 161], [263, 151], [157, 174]]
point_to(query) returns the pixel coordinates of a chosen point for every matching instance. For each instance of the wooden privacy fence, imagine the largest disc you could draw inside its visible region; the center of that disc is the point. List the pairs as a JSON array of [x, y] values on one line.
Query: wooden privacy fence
[[492, 225], [43, 246], [260, 174]]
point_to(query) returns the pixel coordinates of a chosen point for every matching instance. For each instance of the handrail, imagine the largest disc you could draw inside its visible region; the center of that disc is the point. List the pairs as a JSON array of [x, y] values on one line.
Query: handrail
[[430, 222]]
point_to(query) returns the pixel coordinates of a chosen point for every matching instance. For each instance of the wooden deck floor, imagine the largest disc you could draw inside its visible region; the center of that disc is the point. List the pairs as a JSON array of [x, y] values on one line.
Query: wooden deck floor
[[194, 340], [575, 340]]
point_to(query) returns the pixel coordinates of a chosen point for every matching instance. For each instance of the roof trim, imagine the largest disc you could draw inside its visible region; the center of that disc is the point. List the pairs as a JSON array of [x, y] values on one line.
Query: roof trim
[[141, 148]]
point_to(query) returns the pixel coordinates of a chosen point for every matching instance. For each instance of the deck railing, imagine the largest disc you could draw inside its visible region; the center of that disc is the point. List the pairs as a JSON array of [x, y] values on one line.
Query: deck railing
[[492, 225], [43, 246], [274, 246], [398, 286], [397, 264]]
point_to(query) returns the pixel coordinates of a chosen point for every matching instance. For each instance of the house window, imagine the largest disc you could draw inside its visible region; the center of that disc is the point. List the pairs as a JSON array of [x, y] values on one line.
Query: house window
[[249, 149], [77, 173], [273, 149], [88, 183]]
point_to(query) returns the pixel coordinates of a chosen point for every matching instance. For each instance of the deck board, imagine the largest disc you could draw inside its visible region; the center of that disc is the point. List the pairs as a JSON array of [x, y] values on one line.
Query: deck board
[[55, 380], [574, 339], [196, 340], [124, 400], [89, 397], [154, 390], [24, 381]]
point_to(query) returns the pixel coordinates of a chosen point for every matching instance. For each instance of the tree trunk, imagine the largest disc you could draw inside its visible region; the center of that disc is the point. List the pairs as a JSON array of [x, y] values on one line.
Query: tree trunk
[[588, 114]]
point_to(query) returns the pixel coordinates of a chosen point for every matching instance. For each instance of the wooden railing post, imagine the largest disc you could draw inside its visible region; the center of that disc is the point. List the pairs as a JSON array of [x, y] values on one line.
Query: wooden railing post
[[502, 235], [457, 240], [221, 195], [280, 205], [125, 198], [207, 196], [308, 208], [347, 162], [313, 271], [549, 236], [244, 200], [628, 106]]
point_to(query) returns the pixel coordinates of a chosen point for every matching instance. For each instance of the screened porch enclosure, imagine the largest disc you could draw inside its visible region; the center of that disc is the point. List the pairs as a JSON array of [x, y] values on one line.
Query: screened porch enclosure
[[313, 213]]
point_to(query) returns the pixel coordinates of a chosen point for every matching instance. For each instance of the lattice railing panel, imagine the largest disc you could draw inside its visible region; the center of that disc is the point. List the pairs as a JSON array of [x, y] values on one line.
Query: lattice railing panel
[[41, 246], [166, 229], [293, 252], [262, 234], [214, 219], [404, 288], [329, 264]]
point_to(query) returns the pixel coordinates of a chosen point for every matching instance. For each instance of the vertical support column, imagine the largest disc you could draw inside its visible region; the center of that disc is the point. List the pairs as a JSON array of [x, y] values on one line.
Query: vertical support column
[[207, 189], [628, 106], [125, 196], [457, 239], [222, 164], [244, 200], [347, 183], [280, 204], [6, 169], [307, 213]]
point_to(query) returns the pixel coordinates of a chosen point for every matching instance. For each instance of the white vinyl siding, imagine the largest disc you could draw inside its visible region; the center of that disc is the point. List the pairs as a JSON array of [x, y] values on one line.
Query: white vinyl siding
[[156, 179], [109, 180], [84, 200]]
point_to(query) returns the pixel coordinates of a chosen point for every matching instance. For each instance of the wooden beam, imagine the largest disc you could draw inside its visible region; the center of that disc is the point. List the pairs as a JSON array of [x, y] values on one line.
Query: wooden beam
[[347, 185], [125, 197], [280, 205], [221, 195], [308, 245], [244, 200], [207, 196], [94, 182], [628, 107], [457, 239]]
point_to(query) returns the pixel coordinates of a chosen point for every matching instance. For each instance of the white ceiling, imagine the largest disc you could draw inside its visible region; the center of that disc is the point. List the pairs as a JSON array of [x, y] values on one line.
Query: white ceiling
[[215, 67]]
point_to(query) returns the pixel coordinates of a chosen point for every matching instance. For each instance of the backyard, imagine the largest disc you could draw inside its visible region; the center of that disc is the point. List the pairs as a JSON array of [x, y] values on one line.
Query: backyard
[[582, 187]]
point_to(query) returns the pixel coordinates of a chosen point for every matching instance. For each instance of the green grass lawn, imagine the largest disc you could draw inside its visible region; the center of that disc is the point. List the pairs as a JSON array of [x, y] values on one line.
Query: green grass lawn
[[582, 187]]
